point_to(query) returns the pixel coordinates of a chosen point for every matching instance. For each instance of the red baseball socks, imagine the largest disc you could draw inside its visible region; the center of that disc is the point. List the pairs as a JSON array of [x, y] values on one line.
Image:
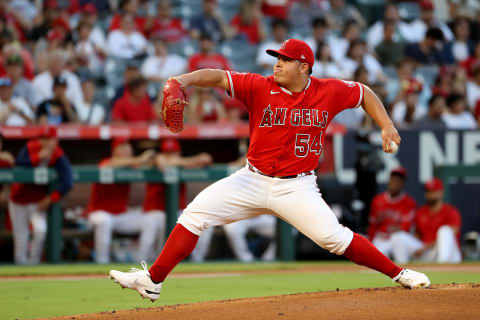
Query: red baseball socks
[[363, 252], [179, 245]]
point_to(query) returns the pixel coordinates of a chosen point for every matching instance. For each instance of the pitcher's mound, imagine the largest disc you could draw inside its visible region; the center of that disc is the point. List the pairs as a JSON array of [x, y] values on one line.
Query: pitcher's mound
[[454, 301]]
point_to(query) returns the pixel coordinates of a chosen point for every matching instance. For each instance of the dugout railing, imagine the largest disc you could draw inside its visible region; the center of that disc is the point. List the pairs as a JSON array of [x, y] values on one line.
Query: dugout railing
[[172, 178]]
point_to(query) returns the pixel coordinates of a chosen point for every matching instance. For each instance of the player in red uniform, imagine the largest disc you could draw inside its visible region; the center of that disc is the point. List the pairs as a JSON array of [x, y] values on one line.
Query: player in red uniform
[[108, 206], [154, 202], [29, 202], [289, 113], [390, 212], [437, 226]]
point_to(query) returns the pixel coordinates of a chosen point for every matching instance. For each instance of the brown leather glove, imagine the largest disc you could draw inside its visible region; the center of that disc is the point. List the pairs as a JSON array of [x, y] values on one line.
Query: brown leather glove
[[174, 101]]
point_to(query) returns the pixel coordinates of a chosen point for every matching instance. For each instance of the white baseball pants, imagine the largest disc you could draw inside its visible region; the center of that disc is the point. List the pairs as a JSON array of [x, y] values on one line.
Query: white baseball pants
[[21, 216], [446, 249], [383, 244], [246, 194], [130, 222]]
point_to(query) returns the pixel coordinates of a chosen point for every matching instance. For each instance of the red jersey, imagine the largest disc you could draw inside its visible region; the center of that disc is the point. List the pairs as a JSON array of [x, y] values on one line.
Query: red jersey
[[125, 109], [208, 61], [389, 214], [428, 222], [155, 197], [287, 129], [171, 31], [252, 31], [112, 198]]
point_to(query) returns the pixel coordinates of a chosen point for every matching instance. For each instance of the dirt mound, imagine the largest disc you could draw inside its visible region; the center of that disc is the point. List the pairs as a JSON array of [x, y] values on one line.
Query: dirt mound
[[454, 301]]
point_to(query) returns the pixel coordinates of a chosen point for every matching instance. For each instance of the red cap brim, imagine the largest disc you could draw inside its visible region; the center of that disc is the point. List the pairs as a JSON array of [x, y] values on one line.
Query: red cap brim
[[276, 53]]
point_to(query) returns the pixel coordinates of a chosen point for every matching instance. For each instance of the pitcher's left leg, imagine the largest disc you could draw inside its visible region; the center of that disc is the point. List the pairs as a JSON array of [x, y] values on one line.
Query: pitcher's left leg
[[300, 204]]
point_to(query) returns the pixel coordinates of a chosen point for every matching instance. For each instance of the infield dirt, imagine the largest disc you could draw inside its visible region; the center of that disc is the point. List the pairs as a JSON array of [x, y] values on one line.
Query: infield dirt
[[454, 301]]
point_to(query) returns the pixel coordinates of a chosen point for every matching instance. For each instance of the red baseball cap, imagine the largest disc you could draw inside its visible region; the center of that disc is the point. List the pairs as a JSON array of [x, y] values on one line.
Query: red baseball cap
[[118, 141], [295, 49], [54, 35], [426, 5], [48, 132], [89, 8], [170, 145], [434, 184], [400, 171]]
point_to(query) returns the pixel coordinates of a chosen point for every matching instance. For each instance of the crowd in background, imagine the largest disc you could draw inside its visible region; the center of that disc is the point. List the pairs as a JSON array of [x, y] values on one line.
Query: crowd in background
[[95, 62]]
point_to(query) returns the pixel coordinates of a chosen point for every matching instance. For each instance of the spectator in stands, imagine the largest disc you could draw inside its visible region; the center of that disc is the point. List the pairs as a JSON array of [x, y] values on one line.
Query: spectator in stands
[[427, 51], [130, 8], [279, 30], [155, 196], [164, 25], [275, 8], [135, 105], [390, 212], [42, 22], [131, 72], [325, 66], [247, 23], [302, 13], [162, 64], [462, 46], [207, 57], [340, 12], [390, 51], [408, 110], [89, 51], [10, 47], [419, 28], [43, 82], [26, 9], [358, 55], [29, 202], [457, 117], [398, 31], [126, 42], [14, 20], [204, 106], [473, 89], [434, 118], [55, 40], [96, 36], [6, 161], [472, 62], [58, 109], [319, 33], [340, 45], [89, 112], [437, 229], [14, 111], [108, 207], [443, 85], [211, 22]]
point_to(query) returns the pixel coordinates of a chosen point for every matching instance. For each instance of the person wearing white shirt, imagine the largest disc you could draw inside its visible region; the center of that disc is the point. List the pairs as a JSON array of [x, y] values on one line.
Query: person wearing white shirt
[[375, 34], [407, 111], [279, 30], [457, 117], [88, 112], [339, 45], [473, 89], [319, 33], [357, 55], [418, 28], [162, 65], [126, 42], [43, 82], [89, 52], [14, 111], [324, 66]]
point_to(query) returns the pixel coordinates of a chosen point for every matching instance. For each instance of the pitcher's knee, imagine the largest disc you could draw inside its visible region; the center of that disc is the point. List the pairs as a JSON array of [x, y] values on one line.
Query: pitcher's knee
[[336, 242], [192, 222]]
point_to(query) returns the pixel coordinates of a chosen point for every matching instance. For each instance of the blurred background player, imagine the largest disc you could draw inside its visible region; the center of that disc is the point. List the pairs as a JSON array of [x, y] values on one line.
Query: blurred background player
[[170, 156], [391, 211], [108, 206], [437, 227], [29, 202]]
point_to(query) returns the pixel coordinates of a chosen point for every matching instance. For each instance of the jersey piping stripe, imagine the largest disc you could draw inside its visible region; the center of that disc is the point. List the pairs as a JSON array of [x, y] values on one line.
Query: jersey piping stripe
[[361, 95], [230, 83]]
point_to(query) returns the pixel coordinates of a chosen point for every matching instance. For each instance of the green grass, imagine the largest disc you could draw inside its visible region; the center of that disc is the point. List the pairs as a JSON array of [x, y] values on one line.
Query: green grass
[[89, 268], [45, 298]]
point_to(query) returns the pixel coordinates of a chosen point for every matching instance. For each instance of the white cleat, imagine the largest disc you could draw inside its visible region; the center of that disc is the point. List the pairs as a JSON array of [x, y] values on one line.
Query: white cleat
[[412, 279], [138, 280]]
